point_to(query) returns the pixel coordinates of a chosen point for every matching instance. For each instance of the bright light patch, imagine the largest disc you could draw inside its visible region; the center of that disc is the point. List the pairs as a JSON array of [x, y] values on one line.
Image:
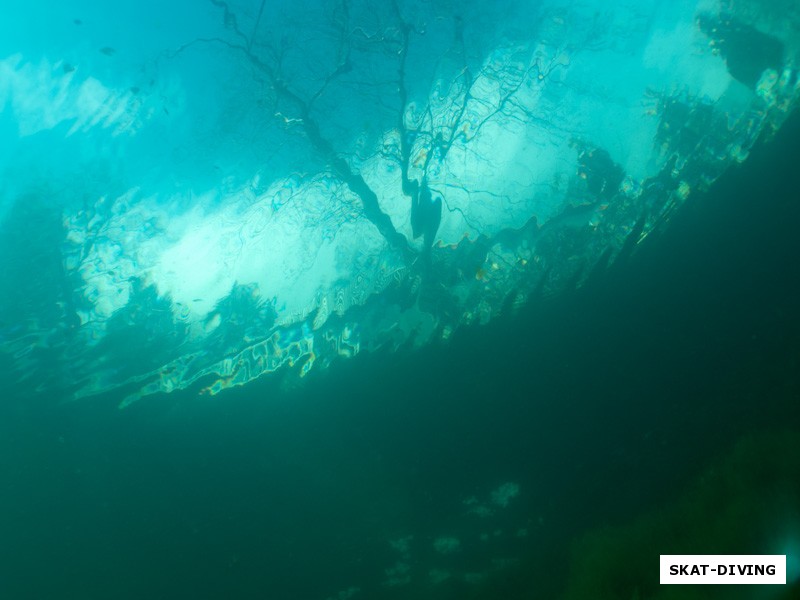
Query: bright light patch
[[44, 95]]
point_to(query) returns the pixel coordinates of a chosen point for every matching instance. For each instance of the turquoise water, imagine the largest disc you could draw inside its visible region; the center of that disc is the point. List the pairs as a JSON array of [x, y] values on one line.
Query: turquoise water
[[402, 301]]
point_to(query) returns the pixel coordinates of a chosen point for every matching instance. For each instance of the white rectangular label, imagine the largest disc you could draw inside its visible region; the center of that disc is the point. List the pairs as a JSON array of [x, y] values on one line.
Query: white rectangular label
[[723, 568]]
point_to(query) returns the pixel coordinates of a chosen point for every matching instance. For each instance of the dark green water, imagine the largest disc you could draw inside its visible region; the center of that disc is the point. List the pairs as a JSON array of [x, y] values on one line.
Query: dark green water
[[602, 406]]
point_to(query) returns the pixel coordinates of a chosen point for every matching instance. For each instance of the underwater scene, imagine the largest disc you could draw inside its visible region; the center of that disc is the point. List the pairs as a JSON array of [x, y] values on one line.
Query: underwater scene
[[397, 299]]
